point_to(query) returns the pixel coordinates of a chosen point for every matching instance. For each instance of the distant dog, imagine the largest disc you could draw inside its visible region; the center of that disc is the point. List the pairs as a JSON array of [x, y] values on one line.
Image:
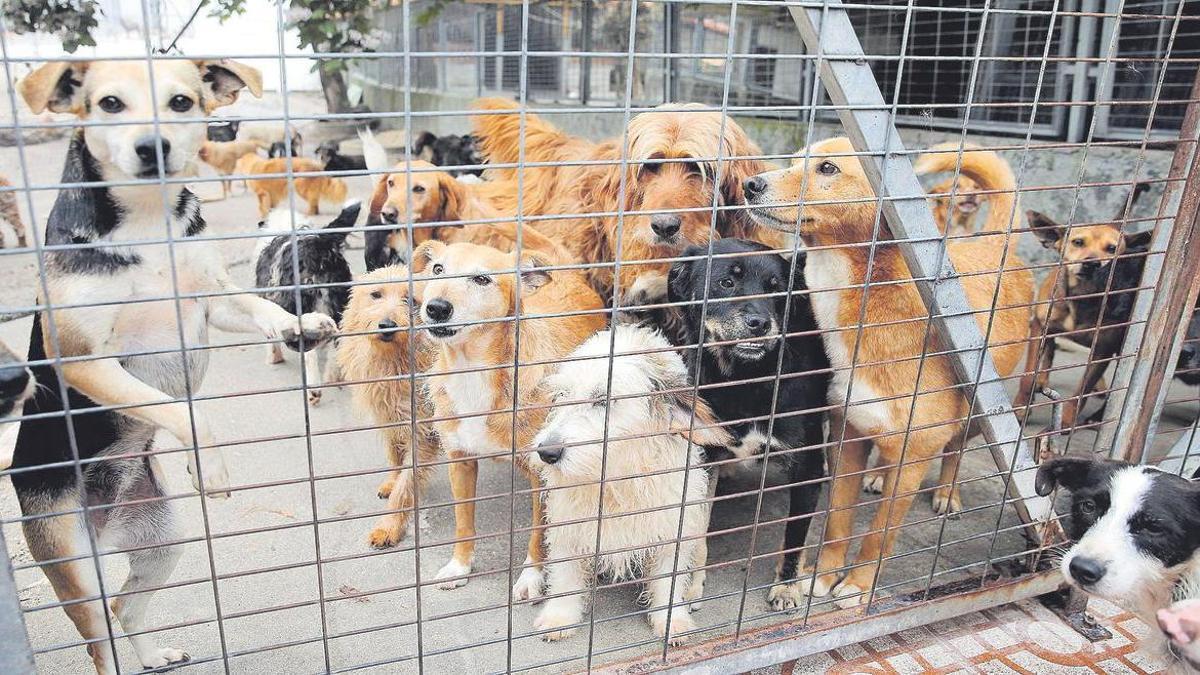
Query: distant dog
[[449, 151], [16, 382], [273, 134], [314, 191], [1136, 531], [120, 332], [223, 131], [328, 154], [956, 214], [377, 356], [1101, 266], [742, 332], [324, 280], [641, 440], [470, 295], [10, 214], [224, 156]]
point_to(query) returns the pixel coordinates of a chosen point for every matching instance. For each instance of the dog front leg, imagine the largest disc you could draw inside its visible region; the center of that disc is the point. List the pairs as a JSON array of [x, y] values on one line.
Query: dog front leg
[[464, 474], [107, 383], [528, 585], [245, 313], [562, 614], [667, 588]]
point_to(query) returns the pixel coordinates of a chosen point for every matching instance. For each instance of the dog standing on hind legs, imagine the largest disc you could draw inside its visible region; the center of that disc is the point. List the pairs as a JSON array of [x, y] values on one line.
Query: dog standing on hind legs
[[111, 303]]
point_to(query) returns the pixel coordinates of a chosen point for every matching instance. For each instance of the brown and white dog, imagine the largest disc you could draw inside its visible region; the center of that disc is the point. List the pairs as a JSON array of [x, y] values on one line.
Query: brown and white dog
[[377, 355], [470, 298], [417, 192], [314, 191], [117, 319], [671, 166], [880, 387]]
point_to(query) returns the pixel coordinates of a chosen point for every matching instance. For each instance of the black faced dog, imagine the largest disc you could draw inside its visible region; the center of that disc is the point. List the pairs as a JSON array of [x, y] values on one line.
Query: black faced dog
[[324, 279], [1136, 531], [333, 160], [280, 149], [746, 299], [1187, 368], [449, 150]]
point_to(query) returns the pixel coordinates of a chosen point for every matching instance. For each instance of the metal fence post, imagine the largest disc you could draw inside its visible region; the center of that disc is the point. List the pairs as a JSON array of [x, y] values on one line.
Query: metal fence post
[[851, 86], [16, 655]]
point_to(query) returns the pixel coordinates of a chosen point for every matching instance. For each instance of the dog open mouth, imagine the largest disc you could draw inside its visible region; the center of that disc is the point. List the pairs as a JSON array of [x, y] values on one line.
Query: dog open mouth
[[443, 331], [751, 351], [968, 206]]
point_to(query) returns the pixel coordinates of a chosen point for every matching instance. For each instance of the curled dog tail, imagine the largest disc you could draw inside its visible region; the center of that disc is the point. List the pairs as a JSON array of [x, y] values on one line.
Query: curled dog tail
[[499, 135], [989, 170], [373, 153]]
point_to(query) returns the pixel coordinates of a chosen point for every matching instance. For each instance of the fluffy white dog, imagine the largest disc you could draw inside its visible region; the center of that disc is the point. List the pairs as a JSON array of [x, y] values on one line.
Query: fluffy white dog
[[647, 479]]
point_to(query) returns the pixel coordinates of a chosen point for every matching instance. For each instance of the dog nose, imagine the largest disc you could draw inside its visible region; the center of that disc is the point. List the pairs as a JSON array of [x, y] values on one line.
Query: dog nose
[[145, 148], [387, 330], [389, 214], [1086, 571], [438, 309], [550, 450], [757, 324], [754, 186], [665, 225], [13, 381]]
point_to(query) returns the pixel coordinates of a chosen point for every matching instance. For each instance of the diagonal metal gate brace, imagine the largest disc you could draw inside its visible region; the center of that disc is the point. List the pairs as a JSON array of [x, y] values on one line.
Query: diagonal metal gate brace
[[866, 116]]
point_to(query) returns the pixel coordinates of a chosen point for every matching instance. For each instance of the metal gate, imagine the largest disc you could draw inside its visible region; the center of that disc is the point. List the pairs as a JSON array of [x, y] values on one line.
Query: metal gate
[[1085, 101]]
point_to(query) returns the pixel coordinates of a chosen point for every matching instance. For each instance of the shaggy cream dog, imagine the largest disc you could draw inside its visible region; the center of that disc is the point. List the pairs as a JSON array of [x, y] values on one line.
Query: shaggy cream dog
[[649, 469]]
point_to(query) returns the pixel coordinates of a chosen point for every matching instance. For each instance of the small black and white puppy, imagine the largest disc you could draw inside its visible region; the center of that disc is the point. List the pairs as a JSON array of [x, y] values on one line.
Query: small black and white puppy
[[449, 150], [333, 160], [741, 330], [1136, 531], [324, 280]]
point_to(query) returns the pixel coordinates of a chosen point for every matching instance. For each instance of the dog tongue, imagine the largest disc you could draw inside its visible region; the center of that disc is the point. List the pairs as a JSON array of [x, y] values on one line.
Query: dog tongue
[[1181, 623]]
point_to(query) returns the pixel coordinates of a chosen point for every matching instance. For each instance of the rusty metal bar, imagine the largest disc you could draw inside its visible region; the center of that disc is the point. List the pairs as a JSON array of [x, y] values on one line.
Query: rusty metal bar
[[1137, 380], [851, 86]]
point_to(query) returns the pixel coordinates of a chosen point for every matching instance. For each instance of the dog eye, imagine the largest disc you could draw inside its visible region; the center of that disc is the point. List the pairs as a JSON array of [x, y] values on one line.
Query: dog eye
[[1152, 528], [376, 295], [111, 104], [1111, 248], [1087, 507], [726, 283], [391, 183], [180, 103], [437, 268], [1077, 242], [418, 189], [693, 168], [481, 280], [653, 166], [828, 168]]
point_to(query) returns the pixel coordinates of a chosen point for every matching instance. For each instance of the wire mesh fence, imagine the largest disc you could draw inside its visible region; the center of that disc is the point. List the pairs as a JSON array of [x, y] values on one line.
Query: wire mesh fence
[[767, 369]]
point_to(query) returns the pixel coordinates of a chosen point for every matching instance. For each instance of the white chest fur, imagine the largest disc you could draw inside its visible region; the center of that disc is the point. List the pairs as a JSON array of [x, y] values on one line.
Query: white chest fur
[[470, 393], [824, 271]]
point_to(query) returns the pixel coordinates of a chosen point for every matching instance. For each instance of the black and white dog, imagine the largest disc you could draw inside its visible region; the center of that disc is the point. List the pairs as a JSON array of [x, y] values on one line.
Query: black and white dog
[[449, 150], [324, 280], [329, 155], [743, 348], [1136, 532], [116, 308]]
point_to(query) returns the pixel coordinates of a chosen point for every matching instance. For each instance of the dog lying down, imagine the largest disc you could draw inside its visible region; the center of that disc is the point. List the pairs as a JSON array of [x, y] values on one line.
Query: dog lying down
[[324, 280], [648, 476]]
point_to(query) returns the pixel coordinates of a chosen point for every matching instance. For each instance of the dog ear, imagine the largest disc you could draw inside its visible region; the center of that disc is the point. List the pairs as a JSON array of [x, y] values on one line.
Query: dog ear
[[688, 412], [1138, 240], [1071, 472], [1048, 231], [378, 199], [225, 78], [733, 175], [532, 277], [425, 254], [453, 195], [679, 280], [57, 87]]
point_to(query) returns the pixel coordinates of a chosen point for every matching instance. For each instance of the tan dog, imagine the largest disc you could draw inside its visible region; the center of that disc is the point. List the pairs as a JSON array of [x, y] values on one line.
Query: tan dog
[[840, 211], [957, 219], [271, 192], [468, 301], [376, 357], [418, 193], [689, 137], [223, 156]]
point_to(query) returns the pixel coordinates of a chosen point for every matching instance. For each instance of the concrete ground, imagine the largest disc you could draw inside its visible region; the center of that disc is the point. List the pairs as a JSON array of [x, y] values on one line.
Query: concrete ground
[[277, 606]]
